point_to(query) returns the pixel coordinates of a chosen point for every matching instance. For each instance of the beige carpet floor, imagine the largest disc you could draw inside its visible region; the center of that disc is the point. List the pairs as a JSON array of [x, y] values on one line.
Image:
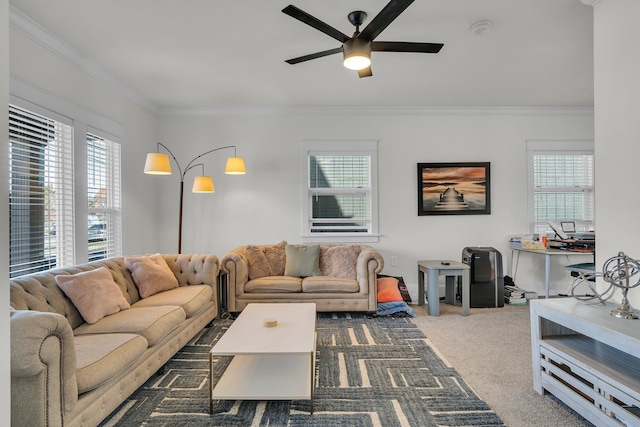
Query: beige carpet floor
[[491, 349]]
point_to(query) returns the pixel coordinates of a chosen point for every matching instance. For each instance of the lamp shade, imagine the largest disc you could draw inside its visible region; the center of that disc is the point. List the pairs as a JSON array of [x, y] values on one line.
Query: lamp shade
[[157, 164], [203, 184], [357, 54], [235, 166]]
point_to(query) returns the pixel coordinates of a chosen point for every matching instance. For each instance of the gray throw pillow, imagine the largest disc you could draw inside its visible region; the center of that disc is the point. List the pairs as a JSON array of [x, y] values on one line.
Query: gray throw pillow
[[302, 260]]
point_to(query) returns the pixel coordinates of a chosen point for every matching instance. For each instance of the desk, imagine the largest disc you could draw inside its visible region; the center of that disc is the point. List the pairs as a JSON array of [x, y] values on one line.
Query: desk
[[548, 253], [435, 269]]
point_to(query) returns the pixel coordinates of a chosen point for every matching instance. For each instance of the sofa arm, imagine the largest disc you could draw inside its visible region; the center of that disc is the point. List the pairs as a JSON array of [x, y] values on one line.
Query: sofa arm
[[370, 263], [235, 265], [194, 269], [43, 368]]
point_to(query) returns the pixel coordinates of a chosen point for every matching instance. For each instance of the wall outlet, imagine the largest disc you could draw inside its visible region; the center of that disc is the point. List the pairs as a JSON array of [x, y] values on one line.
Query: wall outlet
[[394, 261]]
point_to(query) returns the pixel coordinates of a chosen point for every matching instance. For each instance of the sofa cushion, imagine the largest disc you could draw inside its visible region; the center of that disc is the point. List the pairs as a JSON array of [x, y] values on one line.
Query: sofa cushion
[[101, 357], [274, 284], [191, 298], [151, 274], [302, 260], [153, 323], [339, 261], [327, 284], [266, 260], [93, 293]]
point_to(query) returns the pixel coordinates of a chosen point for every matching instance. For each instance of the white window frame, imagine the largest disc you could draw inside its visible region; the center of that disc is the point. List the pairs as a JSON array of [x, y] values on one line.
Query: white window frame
[[33, 99], [367, 148], [576, 147], [113, 209]]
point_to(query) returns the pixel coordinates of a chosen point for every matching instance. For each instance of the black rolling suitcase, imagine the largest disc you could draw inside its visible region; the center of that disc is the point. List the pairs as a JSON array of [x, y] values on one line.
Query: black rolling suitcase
[[486, 278]]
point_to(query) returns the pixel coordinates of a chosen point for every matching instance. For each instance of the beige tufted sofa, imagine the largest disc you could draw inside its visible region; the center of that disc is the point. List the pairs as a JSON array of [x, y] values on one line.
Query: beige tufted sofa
[[65, 372], [330, 290]]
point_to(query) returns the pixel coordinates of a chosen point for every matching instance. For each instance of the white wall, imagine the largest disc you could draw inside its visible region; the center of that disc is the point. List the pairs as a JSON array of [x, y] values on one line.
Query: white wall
[[264, 205], [34, 65], [5, 369], [617, 130]]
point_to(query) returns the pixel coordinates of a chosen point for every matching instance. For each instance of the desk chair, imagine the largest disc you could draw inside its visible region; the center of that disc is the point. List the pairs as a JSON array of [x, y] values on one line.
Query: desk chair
[[585, 274], [585, 268]]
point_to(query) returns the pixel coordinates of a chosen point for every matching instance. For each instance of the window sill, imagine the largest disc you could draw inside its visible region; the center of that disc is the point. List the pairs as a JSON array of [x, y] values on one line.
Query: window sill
[[341, 238]]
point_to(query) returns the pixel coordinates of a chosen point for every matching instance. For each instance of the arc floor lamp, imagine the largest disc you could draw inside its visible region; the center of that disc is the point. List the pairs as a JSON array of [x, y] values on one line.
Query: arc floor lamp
[[159, 164]]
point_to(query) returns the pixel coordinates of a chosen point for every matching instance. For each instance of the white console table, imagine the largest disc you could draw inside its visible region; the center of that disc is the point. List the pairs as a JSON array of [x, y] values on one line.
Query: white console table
[[588, 359]]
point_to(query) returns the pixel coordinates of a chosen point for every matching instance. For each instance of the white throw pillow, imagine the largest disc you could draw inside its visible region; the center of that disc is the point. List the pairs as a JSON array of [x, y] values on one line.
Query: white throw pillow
[[94, 293], [151, 274]]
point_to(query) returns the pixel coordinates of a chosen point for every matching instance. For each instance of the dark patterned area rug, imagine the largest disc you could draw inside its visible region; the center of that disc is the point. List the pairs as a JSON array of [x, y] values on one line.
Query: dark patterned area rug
[[371, 371]]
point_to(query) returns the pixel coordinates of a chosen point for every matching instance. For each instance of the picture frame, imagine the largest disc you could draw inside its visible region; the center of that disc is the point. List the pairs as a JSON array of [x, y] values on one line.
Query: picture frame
[[462, 188]]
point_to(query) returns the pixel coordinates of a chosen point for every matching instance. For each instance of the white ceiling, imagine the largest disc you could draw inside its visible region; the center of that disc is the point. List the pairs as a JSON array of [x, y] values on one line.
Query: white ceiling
[[216, 54]]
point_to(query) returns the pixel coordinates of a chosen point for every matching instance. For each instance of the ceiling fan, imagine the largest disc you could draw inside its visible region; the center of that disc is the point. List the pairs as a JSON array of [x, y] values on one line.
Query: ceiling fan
[[357, 49]]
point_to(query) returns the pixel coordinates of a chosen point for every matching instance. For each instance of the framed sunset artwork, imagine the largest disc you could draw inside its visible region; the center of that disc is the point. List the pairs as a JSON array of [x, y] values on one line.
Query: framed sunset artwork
[[454, 188]]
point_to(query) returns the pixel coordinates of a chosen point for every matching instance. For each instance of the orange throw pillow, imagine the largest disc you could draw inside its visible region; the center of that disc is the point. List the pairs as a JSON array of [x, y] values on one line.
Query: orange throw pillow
[[388, 290]]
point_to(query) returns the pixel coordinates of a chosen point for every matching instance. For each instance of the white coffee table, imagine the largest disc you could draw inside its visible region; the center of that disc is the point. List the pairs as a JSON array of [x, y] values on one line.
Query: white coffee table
[[269, 363]]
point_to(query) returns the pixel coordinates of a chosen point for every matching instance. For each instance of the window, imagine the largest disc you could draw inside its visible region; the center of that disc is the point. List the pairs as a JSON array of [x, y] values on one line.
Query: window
[[339, 191], [561, 184], [103, 197], [44, 173], [41, 217]]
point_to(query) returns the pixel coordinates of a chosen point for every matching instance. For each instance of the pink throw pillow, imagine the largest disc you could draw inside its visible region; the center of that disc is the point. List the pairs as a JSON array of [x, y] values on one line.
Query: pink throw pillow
[[340, 261], [151, 274], [388, 290], [93, 293]]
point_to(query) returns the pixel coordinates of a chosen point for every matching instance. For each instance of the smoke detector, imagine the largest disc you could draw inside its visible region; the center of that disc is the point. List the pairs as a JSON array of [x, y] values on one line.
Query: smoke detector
[[481, 28]]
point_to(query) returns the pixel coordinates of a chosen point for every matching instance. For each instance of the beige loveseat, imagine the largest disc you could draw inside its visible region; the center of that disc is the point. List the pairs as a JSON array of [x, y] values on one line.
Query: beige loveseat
[[345, 278], [67, 372]]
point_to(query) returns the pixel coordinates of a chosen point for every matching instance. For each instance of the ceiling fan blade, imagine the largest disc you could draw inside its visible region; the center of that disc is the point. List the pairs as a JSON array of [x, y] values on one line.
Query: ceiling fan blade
[[386, 16], [314, 22], [365, 72], [314, 56], [406, 47]]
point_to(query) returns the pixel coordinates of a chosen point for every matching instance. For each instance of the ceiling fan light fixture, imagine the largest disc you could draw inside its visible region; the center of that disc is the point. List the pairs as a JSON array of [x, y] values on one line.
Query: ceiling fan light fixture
[[357, 54]]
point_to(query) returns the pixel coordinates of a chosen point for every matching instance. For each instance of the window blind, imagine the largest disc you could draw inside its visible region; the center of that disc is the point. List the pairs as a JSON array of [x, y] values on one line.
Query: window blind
[[103, 198], [41, 214], [563, 188], [339, 193]]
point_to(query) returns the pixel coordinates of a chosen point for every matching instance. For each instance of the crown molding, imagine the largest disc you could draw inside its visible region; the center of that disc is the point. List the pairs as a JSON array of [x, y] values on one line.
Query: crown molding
[[364, 110], [591, 3], [33, 30], [25, 93]]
